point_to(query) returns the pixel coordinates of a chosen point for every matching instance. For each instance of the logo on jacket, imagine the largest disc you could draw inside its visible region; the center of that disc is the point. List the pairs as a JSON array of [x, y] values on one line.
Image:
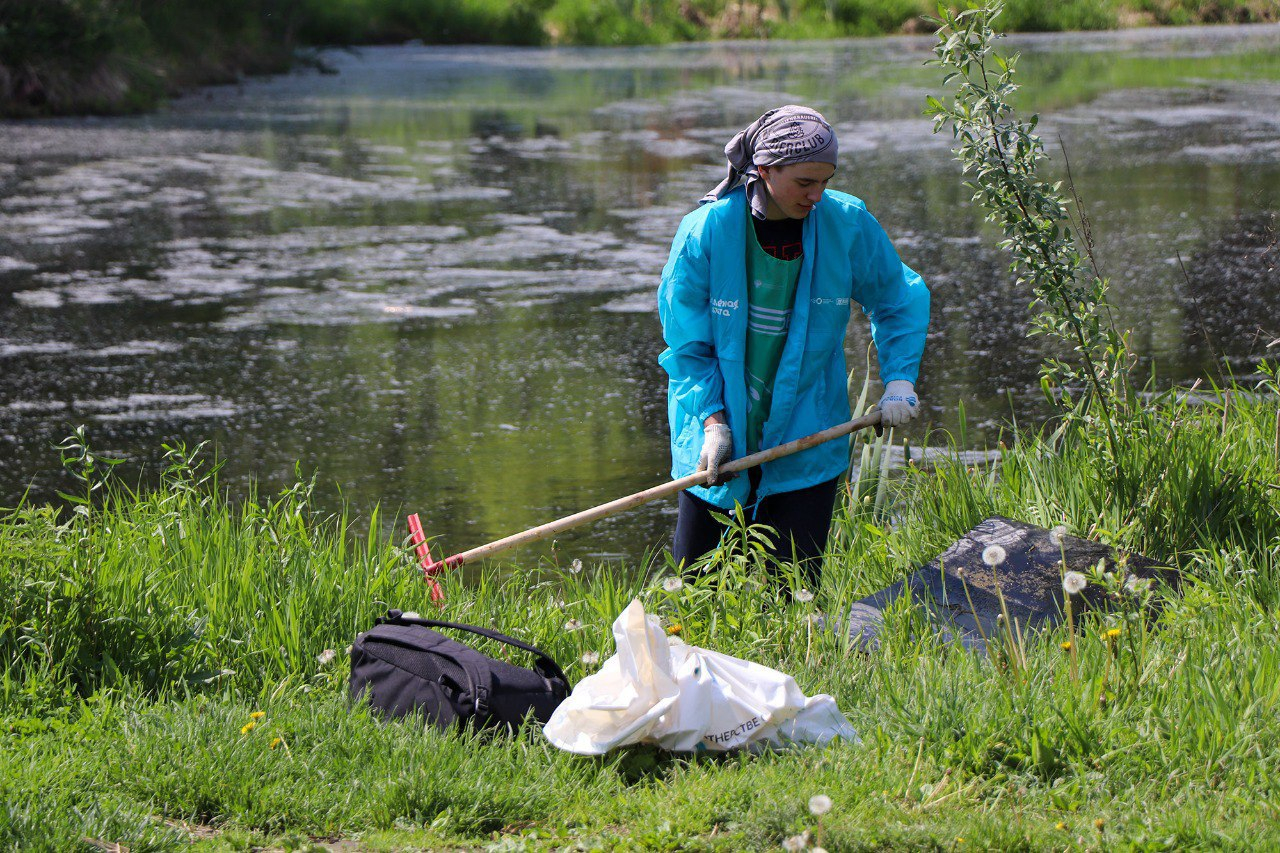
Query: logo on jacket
[[722, 307]]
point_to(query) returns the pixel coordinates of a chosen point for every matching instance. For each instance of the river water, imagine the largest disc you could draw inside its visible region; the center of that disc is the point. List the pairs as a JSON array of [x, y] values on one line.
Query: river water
[[428, 279]]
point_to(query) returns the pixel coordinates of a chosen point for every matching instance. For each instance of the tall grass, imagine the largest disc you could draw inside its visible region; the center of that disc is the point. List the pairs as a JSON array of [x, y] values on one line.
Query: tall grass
[[180, 588]]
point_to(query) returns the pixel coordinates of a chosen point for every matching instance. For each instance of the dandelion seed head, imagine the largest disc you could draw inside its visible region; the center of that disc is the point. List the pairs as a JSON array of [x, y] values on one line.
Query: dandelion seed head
[[672, 584], [804, 596], [326, 657], [591, 658], [994, 555], [572, 625], [798, 842], [1135, 585], [1056, 534], [1074, 583], [819, 804], [575, 566]]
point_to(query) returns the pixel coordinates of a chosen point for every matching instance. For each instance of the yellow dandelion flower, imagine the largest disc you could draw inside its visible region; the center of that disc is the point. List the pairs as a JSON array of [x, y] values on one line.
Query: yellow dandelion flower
[[1060, 826], [1066, 646], [277, 742], [248, 727], [675, 629], [257, 715], [1113, 633], [1098, 824]]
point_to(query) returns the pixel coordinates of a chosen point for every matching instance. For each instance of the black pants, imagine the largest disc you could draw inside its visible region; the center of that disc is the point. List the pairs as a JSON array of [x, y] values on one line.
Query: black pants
[[802, 519]]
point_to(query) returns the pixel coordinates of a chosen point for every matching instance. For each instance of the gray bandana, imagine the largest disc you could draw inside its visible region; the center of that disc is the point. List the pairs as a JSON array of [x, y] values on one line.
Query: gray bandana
[[780, 137]]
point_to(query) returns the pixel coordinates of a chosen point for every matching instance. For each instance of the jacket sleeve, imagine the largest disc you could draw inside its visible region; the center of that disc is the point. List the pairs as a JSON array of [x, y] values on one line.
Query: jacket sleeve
[[894, 297], [684, 307]]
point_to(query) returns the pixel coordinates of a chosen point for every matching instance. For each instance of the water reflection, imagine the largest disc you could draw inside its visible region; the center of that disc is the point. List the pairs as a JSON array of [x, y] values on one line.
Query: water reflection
[[429, 279]]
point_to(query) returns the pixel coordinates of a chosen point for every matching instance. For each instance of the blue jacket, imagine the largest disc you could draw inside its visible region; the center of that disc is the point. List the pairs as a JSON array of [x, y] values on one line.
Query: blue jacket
[[702, 302]]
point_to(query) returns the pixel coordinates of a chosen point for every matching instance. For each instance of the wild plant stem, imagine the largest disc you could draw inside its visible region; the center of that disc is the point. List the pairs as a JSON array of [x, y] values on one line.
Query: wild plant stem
[[1073, 317]]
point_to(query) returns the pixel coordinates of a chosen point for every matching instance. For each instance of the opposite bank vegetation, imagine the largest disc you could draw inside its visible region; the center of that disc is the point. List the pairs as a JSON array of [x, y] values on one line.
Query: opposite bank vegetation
[[172, 663], [100, 56]]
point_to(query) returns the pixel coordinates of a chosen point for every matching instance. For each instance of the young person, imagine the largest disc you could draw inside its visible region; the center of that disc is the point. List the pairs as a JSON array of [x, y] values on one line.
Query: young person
[[754, 302]]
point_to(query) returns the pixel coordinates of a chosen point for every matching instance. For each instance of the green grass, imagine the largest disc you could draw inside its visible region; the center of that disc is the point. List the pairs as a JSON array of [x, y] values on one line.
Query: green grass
[[140, 633]]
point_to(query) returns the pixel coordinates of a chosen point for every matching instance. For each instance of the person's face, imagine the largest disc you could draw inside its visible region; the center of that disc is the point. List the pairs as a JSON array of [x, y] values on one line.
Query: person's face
[[795, 189]]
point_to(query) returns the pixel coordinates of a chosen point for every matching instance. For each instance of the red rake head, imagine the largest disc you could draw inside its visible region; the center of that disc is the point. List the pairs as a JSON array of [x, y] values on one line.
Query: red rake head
[[430, 568]]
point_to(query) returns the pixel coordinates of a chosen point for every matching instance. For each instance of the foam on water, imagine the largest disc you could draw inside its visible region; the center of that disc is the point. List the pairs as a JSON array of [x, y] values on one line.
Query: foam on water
[[14, 265], [10, 350]]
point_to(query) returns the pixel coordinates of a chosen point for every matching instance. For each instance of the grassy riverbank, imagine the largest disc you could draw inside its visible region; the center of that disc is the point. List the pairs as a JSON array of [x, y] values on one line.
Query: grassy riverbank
[[88, 56], [166, 674]]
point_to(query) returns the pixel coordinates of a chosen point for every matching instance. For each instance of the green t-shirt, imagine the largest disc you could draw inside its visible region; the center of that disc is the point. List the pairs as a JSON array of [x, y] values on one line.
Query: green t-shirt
[[771, 294]]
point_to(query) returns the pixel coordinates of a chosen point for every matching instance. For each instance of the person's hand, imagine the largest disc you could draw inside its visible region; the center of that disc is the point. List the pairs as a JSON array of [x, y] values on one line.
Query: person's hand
[[899, 403], [717, 447]]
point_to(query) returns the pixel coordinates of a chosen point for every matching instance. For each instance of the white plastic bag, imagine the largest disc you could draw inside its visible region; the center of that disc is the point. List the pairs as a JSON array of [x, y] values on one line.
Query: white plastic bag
[[684, 699]]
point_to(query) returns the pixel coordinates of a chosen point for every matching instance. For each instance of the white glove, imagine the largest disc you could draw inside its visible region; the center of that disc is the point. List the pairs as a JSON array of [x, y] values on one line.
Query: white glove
[[899, 403], [717, 447]]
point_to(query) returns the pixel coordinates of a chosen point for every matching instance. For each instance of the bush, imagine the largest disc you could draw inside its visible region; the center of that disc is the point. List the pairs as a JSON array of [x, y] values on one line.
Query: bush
[[78, 33], [431, 21], [67, 51], [872, 17], [69, 56], [1036, 16], [1182, 12], [620, 22]]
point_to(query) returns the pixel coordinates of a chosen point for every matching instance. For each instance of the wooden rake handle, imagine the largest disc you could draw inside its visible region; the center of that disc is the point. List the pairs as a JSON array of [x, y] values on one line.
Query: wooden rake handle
[[551, 528]]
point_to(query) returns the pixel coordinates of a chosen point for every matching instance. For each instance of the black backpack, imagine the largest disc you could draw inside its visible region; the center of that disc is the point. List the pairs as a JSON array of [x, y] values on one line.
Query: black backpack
[[405, 667]]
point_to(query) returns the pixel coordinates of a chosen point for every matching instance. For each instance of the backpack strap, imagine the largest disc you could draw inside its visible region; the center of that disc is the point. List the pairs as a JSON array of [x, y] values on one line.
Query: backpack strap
[[481, 679], [545, 664]]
